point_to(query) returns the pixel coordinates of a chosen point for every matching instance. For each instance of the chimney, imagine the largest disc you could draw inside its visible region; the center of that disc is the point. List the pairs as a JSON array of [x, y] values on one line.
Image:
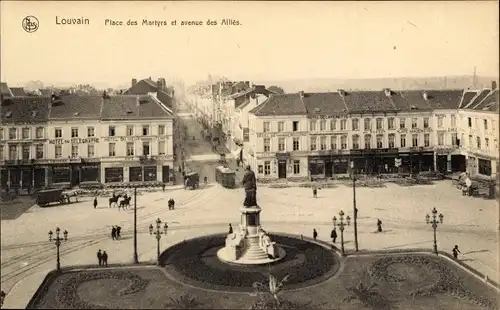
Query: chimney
[[301, 93], [159, 84], [387, 92], [341, 92], [426, 97], [134, 81], [493, 85], [247, 83]]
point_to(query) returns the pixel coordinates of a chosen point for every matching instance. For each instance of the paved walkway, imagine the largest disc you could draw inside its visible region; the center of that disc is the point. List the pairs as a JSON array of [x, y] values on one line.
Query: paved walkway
[[471, 223]]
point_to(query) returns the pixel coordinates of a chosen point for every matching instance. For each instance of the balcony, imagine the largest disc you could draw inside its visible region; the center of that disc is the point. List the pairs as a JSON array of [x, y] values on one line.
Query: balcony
[[147, 159]]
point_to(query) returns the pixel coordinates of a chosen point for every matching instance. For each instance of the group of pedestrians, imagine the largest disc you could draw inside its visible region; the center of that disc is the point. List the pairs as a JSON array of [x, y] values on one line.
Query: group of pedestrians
[[115, 232], [102, 258]]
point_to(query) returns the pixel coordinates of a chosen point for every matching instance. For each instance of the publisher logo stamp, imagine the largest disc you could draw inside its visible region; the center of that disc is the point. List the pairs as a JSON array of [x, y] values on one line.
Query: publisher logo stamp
[[30, 24]]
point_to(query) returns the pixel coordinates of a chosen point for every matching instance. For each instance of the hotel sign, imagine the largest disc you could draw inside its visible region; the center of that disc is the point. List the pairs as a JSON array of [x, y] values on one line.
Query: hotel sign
[[74, 141], [133, 138], [374, 151]]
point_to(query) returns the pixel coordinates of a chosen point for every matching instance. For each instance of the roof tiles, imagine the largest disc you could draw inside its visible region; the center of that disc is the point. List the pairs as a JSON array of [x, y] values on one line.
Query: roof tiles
[[132, 107], [25, 109]]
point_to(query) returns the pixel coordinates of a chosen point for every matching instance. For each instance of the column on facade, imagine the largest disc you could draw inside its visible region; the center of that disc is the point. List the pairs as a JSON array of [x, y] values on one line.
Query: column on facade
[[434, 155], [448, 163]]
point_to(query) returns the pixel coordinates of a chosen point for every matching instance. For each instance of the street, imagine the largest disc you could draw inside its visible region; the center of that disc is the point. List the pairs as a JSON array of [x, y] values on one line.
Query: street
[[468, 222]]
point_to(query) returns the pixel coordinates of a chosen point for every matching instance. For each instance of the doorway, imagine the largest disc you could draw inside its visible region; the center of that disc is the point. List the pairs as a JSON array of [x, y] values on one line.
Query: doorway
[[282, 169], [442, 163], [75, 176]]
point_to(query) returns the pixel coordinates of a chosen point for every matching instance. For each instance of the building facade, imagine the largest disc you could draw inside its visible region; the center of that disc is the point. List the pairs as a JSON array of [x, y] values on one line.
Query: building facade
[[297, 136]]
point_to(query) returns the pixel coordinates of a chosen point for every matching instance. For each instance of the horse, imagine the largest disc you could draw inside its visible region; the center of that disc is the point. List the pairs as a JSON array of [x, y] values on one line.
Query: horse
[[114, 199], [125, 202]]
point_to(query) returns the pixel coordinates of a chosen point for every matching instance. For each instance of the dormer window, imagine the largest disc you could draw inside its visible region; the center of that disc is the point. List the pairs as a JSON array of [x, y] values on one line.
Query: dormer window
[[8, 114]]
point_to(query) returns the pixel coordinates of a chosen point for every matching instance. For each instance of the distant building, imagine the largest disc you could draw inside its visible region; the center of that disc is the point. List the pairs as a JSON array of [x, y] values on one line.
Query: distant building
[[5, 91], [148, 86], [18, 91]]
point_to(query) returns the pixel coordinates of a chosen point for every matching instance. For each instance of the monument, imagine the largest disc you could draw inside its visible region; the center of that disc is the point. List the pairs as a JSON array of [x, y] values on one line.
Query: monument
[[250, 244]]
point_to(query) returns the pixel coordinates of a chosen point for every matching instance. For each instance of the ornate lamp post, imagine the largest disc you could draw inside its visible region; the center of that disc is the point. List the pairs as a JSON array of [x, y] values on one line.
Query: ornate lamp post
[[136, 256], [355, 209], [434, 223], [58, 240], [158, 234], [341, 224]]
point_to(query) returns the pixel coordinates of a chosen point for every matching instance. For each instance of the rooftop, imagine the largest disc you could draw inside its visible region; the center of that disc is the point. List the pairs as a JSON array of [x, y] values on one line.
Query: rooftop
[[27, 109], [18, 91], [132, 107]]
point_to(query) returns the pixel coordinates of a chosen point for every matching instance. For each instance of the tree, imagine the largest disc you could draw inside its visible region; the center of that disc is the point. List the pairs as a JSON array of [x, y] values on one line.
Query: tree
[[276, 89]]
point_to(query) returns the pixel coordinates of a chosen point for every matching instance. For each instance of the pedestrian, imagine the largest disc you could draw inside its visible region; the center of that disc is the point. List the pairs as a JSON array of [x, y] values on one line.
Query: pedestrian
[[315, 192], [113, 233], [333, 235], [455, 251], [105, 259], [356, 212], [315, 234], [95, 202], [379, 225], [99, 257], [230, 229], [163, 186], [118, 230], [205, 180]]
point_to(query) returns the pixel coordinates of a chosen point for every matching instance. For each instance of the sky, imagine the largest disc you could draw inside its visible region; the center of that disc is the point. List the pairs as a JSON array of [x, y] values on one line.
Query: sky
[[274, 41]]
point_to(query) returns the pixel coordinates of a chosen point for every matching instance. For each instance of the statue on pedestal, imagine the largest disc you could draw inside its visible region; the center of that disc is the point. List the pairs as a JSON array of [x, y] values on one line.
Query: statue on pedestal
[[250, 184]]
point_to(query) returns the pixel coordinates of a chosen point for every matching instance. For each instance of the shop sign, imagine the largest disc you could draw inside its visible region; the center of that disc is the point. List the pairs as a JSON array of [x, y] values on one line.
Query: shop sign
[[74, 141], [283, 155], [134, 138], [416, 130], [328, 116], [402, 130], [452, 130]]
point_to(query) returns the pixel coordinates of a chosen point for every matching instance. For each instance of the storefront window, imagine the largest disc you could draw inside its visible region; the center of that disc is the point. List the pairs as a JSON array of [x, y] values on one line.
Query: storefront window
[[484, 167], [316, 167], [113, 175], [89, 174], [149, 173], [135, 174], [60, 175]]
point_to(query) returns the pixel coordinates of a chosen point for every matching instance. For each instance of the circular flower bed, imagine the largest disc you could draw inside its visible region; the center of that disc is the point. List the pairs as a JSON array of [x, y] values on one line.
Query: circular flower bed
[[196, 263], [447, 281], [68, 296]]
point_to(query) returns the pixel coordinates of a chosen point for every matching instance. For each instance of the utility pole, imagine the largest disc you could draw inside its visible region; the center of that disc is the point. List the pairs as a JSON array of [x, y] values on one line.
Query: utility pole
[[136, 257]]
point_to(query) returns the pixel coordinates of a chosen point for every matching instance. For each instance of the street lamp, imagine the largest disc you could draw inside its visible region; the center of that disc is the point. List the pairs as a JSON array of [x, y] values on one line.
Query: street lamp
[[158, 234], [341, 224], [58, 240], [434, 223], [355, 209], [136, 256]]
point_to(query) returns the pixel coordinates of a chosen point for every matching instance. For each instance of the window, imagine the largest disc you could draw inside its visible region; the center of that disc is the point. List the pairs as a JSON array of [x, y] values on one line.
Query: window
[[440, 121], [267, 145], [90, 132], [281, 144], [74, 132], [414, 140], [414, 123], [484, 167], [145, 130], [454, 139], [343, 142], [267, 167], [12, 152], [161, 130], [312, 125], [440, 138], [322, 124], [295, 126], [470, 141], [427, 140], [12, 133], [111, 131], [267, 127], [368, 144], [333, 124], [111, 149], [485, 122], [296, 144], [39, 151], [296, 167], [1, 133], [26, 133], [74, 150], [145, 148], [161, 147], [26, 152], [402, 123], [426, 122], [58, 151], [313, 144], [355, 142], [130, 130], [453, 121], [402, 140], [322, 143], [367, 124], [130, 148], [90, 150], [469, 121], [487, 143], [380, 141], [379, 123], [392, 139], [478, 142], [476, 123], [281, 126], [333, 142], [1, 152], [390, 123], [355, 124], [343, 124]]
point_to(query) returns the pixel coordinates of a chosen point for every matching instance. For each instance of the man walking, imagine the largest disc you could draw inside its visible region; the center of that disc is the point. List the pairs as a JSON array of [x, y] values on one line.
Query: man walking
[[230, 228], [333, 235], [104, 259], [118, 230], [95, 202], [315, 234], [99, 257], [455, 251], [113, 233]]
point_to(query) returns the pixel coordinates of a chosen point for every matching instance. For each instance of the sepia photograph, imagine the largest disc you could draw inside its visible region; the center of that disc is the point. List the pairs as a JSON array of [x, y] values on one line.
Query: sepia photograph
[[249, 155]]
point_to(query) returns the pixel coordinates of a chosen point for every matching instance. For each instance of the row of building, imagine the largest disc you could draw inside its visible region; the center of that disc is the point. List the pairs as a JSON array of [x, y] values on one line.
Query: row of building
[[303, 135], [73, 139]]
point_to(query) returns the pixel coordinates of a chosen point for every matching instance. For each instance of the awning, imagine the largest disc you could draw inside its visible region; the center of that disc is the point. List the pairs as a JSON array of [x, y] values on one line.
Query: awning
[[236, 153]]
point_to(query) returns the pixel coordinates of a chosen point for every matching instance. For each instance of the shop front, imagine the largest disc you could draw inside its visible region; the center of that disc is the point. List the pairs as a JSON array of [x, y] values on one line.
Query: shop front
[[22, 174], [283, 159], [374, 161], [137, 170], [417, 160], [328, 164]]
